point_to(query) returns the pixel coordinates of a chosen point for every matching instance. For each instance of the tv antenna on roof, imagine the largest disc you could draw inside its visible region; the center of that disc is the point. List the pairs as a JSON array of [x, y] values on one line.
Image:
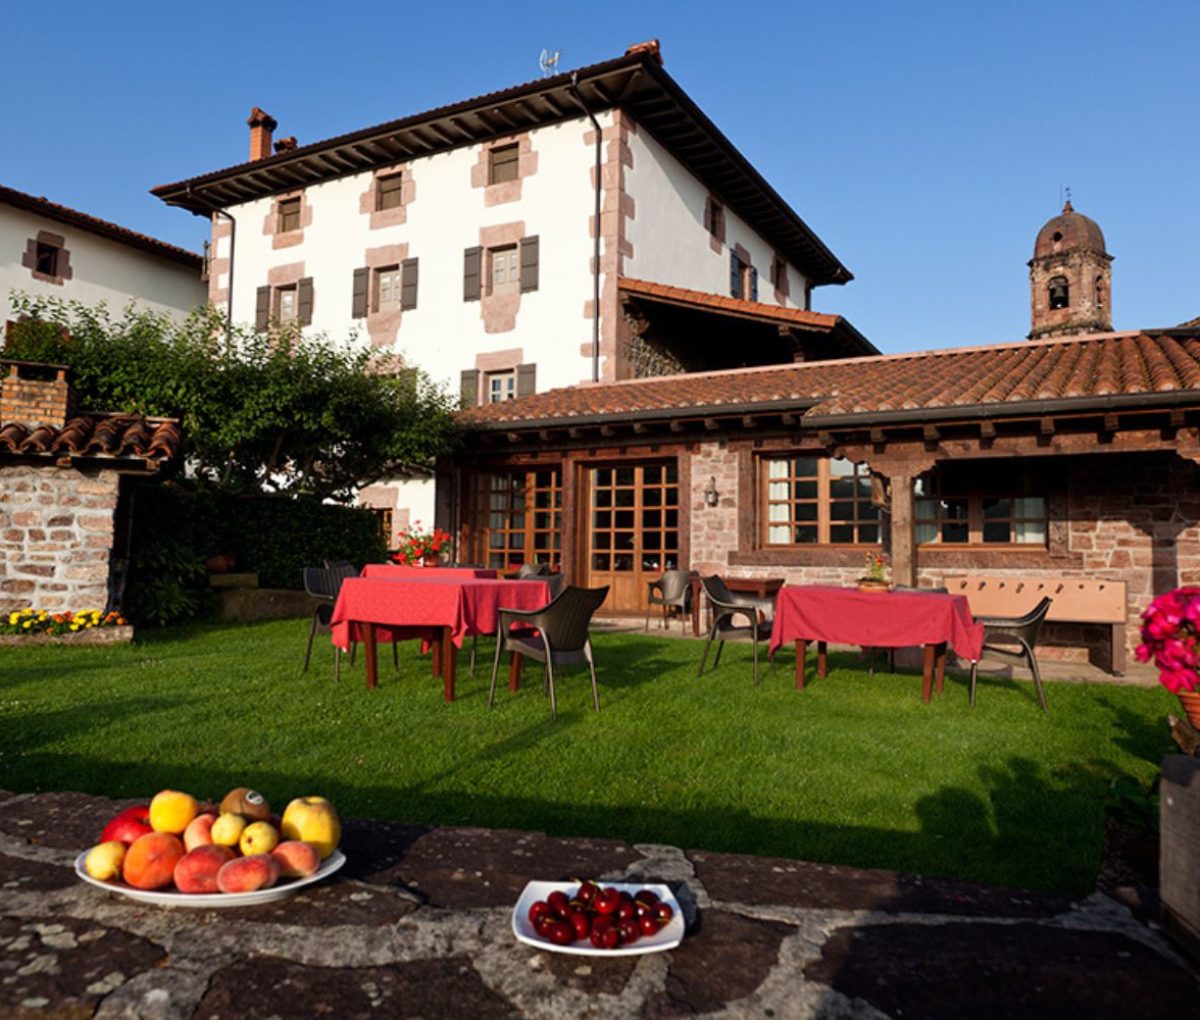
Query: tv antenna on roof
[[548, 62]]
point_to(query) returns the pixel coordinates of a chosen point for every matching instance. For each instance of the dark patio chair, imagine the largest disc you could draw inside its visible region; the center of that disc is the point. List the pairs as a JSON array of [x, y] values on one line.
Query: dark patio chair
[[324, 583], [1021, 631], [674, 590], [726, 607], [532, 570], [343, 567], [891, 652], [555, 582], [561, 637]]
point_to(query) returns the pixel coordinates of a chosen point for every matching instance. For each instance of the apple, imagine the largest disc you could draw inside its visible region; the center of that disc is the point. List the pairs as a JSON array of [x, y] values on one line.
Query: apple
[[312, 820], [104, 860], [128, 825]]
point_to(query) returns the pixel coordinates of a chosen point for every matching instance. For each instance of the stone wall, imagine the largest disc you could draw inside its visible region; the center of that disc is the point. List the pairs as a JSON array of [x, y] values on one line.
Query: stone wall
[[56, 533]]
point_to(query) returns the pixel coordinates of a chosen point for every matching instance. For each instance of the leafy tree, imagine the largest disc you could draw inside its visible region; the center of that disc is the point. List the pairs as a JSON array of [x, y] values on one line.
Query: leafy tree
[[261, 411]]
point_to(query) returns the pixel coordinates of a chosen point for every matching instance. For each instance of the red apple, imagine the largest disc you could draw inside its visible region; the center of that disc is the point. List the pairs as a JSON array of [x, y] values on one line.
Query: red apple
[[128, 825]]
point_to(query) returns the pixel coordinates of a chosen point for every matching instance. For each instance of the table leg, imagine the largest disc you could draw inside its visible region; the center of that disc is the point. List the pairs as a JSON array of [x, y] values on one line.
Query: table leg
[[435, 650], [822, 659], [940, 659], [927, 680], [515, 663], [449, 663], [801, 651], [369, 655]]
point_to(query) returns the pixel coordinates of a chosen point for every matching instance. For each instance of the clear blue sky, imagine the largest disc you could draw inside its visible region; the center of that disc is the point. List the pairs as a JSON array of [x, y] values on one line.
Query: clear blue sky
[[926, 143]]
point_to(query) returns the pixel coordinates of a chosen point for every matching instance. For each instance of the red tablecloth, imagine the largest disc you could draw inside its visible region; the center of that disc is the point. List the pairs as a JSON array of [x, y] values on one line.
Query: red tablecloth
[[395, 570], [409, 607], [875, 619]]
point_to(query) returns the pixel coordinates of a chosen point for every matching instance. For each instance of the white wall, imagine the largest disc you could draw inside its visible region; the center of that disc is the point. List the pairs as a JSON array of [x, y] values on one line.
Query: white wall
[[444, 333], [102, 270], [670, 240]]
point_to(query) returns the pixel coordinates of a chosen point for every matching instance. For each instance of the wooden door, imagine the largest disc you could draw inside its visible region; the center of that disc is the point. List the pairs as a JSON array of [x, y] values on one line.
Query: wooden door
[[632, 529]]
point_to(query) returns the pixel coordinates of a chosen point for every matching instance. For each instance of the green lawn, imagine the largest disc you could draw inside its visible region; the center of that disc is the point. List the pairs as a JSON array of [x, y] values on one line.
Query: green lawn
[[852, 770]]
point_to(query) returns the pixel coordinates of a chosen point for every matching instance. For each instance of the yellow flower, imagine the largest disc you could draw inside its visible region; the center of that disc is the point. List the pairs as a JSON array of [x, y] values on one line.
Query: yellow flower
[[27, 624]]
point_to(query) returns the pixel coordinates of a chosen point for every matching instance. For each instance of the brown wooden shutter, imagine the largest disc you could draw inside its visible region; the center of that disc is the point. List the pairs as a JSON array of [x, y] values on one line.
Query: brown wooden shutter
[[526, 380], [472, 273], [408, 283], [358, 309], [470, 387], [304, 301], [529, 263], [262, 308]]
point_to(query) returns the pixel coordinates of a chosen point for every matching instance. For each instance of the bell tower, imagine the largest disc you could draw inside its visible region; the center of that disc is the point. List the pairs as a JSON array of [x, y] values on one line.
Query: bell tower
[[1070, 278]]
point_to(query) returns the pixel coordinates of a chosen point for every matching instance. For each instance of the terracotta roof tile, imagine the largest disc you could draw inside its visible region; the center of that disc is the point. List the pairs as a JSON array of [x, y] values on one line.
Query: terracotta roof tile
[[98, 436], [1091, 368]]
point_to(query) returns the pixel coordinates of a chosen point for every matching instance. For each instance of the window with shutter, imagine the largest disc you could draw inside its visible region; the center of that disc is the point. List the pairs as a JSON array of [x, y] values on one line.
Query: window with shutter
[[753, 284], [388, 191], [304, 301], [735, 275], [408, 284], [262, 308], [358, 304], [46, 259], [472, 266], [286, 308], [503, 164], [529, 263], [526, 380], [387, 288], [289, 215], [501, 386], [470, 387], [502, 277]]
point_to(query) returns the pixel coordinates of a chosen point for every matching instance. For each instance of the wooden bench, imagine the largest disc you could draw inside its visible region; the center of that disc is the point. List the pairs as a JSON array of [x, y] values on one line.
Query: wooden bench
[[1075, 600]]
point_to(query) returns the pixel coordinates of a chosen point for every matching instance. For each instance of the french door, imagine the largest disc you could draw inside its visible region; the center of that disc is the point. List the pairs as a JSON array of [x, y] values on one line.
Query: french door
[[632, 529]]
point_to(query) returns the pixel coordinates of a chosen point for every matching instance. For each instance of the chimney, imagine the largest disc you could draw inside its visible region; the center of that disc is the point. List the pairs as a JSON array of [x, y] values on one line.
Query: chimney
[[262, 124], [288, 144], [33, 401], [650, 47]]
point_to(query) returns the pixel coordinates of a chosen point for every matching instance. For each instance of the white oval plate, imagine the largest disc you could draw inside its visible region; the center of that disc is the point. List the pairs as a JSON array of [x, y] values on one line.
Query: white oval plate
[[210, 900], [668, 937]]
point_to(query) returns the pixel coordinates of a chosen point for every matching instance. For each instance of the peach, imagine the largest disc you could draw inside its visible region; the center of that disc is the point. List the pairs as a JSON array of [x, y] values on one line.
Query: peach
[[296, 859], [199, 831], [150, 860], [197, 870], [171, 811], [247, 874]]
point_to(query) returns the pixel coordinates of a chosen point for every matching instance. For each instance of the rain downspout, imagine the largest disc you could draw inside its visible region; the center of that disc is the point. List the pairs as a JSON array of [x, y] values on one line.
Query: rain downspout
[[596, 239]]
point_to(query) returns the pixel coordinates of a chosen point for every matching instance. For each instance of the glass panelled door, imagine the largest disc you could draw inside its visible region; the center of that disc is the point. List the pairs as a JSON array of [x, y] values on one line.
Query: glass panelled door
[[633, 529], [518, 518]]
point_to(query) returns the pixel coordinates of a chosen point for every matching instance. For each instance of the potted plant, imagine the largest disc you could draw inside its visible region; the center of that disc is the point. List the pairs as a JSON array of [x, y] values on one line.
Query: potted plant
[[1170, 627], [875, 576], [420, 548]]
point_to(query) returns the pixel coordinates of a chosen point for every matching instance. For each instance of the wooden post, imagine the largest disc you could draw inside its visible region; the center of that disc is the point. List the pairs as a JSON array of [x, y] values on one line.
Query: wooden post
[[904, 567]]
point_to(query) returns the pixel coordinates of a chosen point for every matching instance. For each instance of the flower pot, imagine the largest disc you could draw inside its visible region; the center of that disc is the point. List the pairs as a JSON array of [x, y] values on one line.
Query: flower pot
[[222, 563], [1191, 705], [430, 561], [871, 584]]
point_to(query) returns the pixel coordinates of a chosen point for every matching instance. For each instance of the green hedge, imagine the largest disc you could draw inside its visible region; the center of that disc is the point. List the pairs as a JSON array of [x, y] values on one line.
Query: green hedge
[[176, 527]]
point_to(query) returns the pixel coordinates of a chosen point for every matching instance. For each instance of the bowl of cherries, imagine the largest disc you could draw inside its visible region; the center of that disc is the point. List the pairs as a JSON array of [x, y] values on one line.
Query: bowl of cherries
[[592, 918]]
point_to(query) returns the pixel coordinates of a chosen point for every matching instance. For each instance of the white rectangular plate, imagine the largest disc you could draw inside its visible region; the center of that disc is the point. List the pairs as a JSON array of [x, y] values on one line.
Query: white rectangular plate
[[668, 937], [172, 898]]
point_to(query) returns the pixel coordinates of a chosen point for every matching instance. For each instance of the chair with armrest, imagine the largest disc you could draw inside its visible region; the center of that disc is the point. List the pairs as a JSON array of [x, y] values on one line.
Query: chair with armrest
[[557, 635], [891, 652], [726, 608], [1019, 631], [526, 570], [672, 590]]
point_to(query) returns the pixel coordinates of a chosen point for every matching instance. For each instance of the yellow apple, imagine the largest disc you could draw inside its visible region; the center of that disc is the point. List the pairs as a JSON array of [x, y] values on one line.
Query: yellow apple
[[227, 830], [172, 811], [104, 860], [313, 820], [258, 838]]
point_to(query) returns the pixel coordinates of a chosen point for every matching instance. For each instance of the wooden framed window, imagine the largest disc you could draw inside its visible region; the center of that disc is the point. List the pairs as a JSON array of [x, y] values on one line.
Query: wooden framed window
[[743, 278], [287, 307], [46, 259], [809, 500], [518, 517], [505, 273], [714, 218], [289, 215], [503, 163], [1002, 507], [779, 278], [388, 192], [501, 386], [387, 288]]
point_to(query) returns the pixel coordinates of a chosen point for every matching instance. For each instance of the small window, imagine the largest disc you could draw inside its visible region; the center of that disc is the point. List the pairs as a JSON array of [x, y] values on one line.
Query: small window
[[387, 288], [503, 164], [388, 192], [809, 500], [501, 386], [286, 309], [505, 274], [46, 259], [1007, 509], [289, 215], [743, 279], [714, 218], [779, 274], [1060, 293]]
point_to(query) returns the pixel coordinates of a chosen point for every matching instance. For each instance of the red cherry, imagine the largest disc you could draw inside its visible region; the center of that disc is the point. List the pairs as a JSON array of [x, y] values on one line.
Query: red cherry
[[604, 934], [537, 910], [630, 931], [581, 923], [558, 901], [647, 896], [663, 913], [559, 932], [587, 890], [606, 901], [648, 926], [626, 909]]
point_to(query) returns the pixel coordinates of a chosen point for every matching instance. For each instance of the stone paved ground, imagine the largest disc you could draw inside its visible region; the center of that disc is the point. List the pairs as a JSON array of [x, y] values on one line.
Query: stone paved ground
[[417, 925]]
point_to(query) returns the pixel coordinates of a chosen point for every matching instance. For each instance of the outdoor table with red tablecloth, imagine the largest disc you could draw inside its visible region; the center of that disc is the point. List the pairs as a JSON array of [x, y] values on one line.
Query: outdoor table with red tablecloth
[[395, 570], [876, 619], [440, 610]]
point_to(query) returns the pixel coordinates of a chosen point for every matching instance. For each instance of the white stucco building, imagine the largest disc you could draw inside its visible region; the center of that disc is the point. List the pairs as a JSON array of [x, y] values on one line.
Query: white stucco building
[[465, 239], [47, 249]]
